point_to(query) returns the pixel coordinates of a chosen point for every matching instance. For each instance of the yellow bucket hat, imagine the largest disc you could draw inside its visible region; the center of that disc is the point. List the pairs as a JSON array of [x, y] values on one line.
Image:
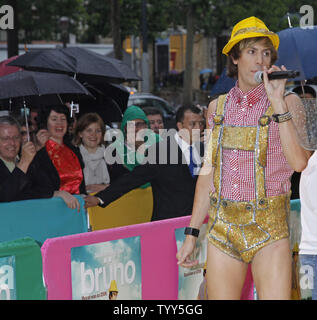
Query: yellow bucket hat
[[249, 28]]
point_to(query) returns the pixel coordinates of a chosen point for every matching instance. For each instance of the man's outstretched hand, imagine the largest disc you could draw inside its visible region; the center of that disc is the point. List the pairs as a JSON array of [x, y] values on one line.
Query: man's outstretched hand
[[91, 201]]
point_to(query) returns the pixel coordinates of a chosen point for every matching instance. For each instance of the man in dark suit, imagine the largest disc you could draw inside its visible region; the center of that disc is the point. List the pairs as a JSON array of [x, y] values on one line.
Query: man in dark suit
[[171, 166], [14, 184]]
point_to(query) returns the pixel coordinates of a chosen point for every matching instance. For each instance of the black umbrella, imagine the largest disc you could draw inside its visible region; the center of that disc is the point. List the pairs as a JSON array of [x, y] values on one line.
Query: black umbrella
[[83, 64], [28, 83], [111, 100], [40, 86], [116, 92]]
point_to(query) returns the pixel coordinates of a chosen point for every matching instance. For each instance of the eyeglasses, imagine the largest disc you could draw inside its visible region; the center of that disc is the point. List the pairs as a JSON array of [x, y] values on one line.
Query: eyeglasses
[[7, 139]]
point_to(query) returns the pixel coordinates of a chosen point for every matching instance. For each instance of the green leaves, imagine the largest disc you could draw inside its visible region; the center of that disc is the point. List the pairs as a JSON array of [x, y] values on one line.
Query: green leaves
[[39, 19]]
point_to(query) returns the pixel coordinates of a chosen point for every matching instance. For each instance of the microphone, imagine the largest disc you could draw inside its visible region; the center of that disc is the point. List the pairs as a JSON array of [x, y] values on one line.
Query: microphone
[[288, 74]]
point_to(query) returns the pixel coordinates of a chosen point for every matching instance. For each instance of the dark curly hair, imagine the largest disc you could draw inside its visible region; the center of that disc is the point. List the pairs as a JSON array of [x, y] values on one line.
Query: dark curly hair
[[46, 111]]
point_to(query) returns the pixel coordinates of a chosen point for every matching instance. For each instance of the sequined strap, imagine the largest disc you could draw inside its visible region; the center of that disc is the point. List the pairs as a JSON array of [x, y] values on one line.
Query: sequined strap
[[264, 122], [208, 149], [261, 157], [218, 121]]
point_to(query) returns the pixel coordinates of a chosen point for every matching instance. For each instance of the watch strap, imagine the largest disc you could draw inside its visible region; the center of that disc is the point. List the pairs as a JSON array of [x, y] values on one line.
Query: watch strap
[[191, 231], [282, 117]]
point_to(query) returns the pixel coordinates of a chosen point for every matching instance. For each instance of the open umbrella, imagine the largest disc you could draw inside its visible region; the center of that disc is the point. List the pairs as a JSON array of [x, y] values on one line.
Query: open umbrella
[[28, 83], [39, 85], [116, 92], [298, 51], [111, 100], [83, 64]]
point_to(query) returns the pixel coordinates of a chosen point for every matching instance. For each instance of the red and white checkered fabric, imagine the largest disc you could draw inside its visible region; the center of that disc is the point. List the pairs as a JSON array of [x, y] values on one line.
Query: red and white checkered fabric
[[238, 176]]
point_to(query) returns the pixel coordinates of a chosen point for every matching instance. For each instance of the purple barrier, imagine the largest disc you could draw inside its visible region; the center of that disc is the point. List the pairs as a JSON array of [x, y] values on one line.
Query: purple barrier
[[158, 257]]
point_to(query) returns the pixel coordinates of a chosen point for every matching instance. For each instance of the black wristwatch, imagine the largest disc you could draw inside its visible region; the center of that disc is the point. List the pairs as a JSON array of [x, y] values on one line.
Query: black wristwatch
[[281, 117], [191, 231]]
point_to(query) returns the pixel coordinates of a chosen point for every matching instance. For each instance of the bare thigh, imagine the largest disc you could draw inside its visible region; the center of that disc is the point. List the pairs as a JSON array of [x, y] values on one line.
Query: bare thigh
[[272, 271], [225, 275]]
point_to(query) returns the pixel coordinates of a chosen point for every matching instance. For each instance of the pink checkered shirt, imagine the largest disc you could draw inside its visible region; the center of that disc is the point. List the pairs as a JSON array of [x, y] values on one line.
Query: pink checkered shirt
[[245, 109]]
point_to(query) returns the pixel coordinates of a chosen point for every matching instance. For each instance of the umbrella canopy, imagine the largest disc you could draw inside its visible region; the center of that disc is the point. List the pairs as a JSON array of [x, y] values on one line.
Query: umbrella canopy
[[41, 86], [116, 92], [30, 84], [84, 64], [111, 100], [298, 51]]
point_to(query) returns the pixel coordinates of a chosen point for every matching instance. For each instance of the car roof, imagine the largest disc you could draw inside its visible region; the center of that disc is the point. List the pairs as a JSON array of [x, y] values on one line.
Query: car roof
[[298, 86], [144, 95], [140, 95]]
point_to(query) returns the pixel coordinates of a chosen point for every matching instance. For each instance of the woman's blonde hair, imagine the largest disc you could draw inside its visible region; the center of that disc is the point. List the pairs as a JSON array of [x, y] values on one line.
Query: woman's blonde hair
[[235, 53]]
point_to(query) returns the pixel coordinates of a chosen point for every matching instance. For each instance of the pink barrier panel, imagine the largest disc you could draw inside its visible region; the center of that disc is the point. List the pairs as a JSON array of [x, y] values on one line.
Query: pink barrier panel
[[158, 256]]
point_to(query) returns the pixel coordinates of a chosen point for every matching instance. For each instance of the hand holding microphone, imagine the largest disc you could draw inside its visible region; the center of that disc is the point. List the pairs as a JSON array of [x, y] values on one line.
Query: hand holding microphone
[[275, 90], [275, 75]]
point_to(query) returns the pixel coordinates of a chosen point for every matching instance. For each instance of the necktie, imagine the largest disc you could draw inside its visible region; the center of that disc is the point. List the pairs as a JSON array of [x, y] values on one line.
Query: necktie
[[191, 164]]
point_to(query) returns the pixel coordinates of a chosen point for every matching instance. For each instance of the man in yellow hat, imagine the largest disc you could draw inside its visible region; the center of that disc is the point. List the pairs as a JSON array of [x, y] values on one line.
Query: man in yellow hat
[[244, 184]]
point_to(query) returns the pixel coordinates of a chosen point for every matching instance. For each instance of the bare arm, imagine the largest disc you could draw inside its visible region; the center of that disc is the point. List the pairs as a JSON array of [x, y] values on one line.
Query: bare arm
[[200, 206], [204, 182], [71, 201]]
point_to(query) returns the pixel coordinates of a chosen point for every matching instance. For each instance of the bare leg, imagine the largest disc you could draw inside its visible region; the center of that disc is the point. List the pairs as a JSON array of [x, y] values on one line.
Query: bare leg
[[225, 275], [272, 271]]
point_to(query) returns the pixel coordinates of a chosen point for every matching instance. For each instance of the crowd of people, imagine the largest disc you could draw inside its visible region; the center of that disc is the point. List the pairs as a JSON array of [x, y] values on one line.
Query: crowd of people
[[47, 159]]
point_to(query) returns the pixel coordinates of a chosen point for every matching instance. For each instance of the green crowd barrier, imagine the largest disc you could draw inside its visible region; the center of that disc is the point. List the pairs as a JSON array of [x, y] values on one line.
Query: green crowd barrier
[[21, 273]]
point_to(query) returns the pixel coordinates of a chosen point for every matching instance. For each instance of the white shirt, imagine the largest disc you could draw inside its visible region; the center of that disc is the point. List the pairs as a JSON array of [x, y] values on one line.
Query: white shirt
[[308, 201], [10, 165], [185, 149]]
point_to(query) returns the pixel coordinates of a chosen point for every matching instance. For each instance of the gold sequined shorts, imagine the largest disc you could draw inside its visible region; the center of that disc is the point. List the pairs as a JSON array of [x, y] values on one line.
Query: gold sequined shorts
[[241, 230]]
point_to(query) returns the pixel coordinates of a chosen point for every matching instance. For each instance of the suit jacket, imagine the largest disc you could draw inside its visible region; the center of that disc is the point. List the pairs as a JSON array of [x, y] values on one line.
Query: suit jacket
[[43, 173], [173, 186], [16, 185]]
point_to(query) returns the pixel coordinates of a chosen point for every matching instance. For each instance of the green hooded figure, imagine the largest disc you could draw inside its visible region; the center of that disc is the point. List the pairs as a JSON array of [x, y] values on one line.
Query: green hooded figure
[[128, 152]]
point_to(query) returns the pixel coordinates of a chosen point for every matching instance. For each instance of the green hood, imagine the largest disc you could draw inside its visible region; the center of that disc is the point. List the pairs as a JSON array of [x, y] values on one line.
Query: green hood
[[129, 156], [132, 113]]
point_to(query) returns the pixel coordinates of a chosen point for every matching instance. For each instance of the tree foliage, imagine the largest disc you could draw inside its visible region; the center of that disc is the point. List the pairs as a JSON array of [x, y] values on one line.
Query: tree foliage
[[226, 13], [40, 19]]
